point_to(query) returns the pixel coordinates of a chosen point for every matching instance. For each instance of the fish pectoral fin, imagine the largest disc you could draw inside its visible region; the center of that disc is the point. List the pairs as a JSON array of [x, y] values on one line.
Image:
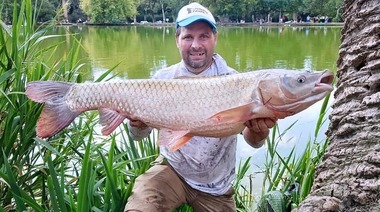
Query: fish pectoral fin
[[173, 139], [110, 120], [233, 115]]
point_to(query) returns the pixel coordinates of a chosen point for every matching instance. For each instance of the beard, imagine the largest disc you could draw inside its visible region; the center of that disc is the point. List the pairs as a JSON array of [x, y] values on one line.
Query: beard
[[198, 61]]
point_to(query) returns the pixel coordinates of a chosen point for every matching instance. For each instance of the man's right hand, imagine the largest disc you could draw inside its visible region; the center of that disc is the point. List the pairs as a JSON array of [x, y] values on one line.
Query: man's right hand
[[138, 130], [137, 123]]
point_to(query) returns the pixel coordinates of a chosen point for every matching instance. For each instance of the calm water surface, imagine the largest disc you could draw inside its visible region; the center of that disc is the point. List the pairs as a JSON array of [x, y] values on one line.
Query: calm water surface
[[143, 50]]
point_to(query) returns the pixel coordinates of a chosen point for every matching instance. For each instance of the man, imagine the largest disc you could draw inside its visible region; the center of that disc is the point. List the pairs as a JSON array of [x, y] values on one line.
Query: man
[[202, 171]]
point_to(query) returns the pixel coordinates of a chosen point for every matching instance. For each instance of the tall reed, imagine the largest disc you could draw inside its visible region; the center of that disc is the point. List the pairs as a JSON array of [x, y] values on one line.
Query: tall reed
[[76, 171], [288, 179], [19, 62]]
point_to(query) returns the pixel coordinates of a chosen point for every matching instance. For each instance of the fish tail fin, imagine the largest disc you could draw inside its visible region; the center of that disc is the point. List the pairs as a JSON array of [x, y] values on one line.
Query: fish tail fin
[[55, 114]]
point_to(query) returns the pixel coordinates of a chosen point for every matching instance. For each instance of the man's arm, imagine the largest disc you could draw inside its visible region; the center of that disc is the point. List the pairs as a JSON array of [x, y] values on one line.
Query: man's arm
[[257, 130]]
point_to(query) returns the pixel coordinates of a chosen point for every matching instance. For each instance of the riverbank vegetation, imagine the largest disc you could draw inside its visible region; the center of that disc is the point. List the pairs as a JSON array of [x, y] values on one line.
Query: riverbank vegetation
[[79, 170], [162, 11]]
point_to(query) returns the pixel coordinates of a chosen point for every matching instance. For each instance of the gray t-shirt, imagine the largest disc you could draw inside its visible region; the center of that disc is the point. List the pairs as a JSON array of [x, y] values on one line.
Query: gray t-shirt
[[207, 164]]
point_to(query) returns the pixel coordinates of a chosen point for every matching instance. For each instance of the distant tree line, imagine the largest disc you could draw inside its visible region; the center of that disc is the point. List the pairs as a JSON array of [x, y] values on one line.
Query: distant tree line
[[127, 11]]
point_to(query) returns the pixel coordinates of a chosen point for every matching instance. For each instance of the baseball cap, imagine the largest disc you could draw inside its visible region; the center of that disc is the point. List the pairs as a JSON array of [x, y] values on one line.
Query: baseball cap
[[194, 12]]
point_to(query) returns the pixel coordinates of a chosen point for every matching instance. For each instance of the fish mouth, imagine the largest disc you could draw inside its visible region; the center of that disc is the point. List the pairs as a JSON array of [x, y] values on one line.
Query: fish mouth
[[324, 83]]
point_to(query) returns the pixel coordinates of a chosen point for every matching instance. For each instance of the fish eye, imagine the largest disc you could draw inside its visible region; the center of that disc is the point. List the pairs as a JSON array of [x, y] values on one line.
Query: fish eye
[[301, 79]]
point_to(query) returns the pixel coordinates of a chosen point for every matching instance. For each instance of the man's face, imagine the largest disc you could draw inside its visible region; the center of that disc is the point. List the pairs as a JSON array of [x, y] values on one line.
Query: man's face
[[196, 43]]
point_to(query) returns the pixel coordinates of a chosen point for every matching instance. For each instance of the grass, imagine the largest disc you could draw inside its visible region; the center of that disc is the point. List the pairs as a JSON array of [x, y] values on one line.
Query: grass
[[79, 170], [69, 172], [288, 180]]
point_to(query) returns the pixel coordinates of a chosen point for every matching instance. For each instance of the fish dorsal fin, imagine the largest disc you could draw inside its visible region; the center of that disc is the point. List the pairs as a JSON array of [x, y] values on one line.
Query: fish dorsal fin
[[233, 115], [110, 120], [173, 139]]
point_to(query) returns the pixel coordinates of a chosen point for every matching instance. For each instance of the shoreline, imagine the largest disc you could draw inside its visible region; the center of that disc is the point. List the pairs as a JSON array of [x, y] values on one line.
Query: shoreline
[[248, 24]]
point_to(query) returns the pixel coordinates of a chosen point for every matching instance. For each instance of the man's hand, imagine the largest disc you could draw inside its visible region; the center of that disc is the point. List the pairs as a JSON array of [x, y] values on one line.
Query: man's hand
[[137, 123], [260, 125], [138, 130], [257, 130]]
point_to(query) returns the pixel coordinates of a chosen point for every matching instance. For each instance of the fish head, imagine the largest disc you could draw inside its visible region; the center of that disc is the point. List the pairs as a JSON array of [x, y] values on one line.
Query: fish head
[[290, 92]]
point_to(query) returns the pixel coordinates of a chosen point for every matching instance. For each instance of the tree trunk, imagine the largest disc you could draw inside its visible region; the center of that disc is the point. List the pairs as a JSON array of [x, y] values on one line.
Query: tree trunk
[[64, 7], [163, 12], [349, 177]]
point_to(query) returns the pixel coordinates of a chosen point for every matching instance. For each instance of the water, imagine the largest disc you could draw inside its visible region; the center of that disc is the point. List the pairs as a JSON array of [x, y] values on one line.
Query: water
[[143, 50]]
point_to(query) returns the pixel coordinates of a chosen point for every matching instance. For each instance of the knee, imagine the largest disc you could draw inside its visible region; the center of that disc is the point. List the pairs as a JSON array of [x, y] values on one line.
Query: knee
[[158, 176], [159, 189]]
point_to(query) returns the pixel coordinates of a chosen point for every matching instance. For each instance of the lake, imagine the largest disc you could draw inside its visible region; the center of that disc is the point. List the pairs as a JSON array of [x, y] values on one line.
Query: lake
[[141, 51]]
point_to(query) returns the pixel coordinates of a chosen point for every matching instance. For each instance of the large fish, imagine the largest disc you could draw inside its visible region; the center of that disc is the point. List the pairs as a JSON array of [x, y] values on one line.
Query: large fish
[[181, 108]]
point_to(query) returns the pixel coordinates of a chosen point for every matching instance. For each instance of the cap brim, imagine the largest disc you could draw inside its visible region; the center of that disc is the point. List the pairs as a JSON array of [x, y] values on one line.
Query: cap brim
[[193, 19]]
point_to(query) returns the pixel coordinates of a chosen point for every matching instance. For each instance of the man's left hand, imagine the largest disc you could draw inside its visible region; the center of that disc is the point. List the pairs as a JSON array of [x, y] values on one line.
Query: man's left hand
[[257, 130], [260, 125]]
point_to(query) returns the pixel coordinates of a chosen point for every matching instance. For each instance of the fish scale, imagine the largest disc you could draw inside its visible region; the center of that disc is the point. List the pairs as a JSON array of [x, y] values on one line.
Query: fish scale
[[185, 107]]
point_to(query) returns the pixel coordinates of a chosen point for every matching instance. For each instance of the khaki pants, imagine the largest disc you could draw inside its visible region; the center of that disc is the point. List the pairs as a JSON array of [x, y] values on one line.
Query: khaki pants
[[161, 189]]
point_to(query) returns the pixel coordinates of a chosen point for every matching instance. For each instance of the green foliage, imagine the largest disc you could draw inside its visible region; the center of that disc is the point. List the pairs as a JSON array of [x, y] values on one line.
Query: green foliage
[[75, 13], [69, 172], [46, 10], [6, 8], [288, 180], [119, 11], [243, 196], [231, 10], [19, 58], [329, 8], [184, 208], [109, 11]]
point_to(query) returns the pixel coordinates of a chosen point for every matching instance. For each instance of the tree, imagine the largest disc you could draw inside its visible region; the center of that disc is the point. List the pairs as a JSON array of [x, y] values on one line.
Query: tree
[[332, 9], [46, 10], [149, 8], [322, 7], [65, 9], [75, 13], [109, 11], [173, 7], [348, 178], [230, 10], [6, 8]]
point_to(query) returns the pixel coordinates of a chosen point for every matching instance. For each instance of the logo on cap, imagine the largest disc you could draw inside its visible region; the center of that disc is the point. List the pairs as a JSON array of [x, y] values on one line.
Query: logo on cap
[[196, 10]]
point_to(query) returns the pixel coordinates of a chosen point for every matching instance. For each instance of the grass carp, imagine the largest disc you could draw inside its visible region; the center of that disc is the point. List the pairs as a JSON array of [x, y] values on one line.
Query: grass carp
[[181, 108]]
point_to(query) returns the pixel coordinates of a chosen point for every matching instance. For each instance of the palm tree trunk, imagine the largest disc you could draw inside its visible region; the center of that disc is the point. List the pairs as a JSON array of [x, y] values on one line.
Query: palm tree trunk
[[349, 177]]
